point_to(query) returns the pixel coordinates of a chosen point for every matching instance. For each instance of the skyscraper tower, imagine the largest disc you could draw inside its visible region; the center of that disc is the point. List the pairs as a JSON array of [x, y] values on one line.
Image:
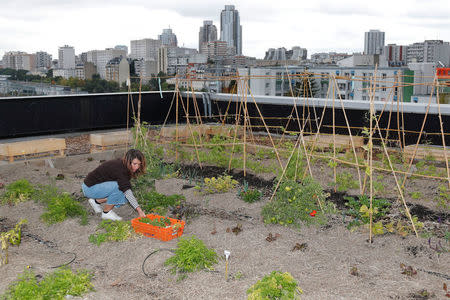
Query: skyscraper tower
[[231, 29], [208, 33], [168, 38], [66, 57], [373, 42]]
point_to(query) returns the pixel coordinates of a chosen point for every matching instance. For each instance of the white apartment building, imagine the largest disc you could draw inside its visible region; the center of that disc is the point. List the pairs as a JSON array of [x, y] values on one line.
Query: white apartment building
[[43, 60], [64, 73], [66, 57], [373, 42], [144, 49], [101, 57], [146, 69], [430, 51], [18, 60], [346, 83]]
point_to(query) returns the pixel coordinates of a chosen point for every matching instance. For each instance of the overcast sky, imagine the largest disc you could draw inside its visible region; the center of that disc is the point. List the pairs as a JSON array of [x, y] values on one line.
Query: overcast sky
[[318, 25]]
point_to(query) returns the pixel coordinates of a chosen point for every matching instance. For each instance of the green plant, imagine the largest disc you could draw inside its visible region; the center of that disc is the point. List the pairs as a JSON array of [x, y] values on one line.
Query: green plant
[[277, 285], [416, 195], [56, 285], [62, 206], [160, 222], [443, 198], [191, 255], [360, 211], [297, 202], [18, 191], [115, 231], [213, 185], [11, 237], [345, 181], [158, 203], [249, 195]]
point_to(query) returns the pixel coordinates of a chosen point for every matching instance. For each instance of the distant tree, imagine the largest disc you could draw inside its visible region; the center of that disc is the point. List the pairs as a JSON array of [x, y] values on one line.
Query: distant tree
[[305, 86]]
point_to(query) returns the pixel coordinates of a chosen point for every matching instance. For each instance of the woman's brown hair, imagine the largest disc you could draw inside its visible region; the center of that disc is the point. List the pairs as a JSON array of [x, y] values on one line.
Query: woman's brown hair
[[128, 158]]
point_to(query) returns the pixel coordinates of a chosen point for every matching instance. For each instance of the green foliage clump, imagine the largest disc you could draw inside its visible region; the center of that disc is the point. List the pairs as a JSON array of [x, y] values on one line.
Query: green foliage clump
[[249, 195], [277, 285], [297, 202], [443, 198], [18, 191], [221, 184], [191, 255], [56, 285], [359, 209], [11, 237], [60, 205], [345, 181], [116, 231], [160, 222], [158, 203]]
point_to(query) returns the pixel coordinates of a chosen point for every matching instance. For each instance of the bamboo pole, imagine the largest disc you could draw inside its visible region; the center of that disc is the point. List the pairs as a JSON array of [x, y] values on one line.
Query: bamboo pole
[[443, 138], [334, 136]]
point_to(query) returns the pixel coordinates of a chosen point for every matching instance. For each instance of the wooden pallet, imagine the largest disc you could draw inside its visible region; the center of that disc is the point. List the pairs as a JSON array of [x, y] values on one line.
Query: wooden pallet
[[424, 151], [110, 140], [341, 141], [26, 149]]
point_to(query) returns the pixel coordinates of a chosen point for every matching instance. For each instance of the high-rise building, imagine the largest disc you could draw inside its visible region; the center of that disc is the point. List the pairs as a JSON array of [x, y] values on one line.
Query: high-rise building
[[146, 49], [208, 33], [43, 60], [430, 51], [18, 60], [122, 47], [168, 38], [66, 57], [231, 29], [101, 57], [373, 42], [395, 55]]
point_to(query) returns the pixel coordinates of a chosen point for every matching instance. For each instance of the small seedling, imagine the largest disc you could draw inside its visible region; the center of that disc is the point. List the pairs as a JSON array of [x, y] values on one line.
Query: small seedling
[[354, 271], [408, 270], [270, 238], [116, 231]]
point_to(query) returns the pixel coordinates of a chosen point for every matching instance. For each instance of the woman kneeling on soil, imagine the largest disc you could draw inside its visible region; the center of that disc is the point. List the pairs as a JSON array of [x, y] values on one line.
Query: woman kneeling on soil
[[110, 183]]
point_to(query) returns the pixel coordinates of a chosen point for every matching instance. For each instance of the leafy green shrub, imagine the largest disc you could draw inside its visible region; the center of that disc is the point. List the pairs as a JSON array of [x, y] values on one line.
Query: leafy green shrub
[[18, 191], [345, 181], [296, 202], [56, 285], [359, 209], [60, 205], [191, 255], [154, 201], [249, 195], [63, 206], [116, 231], [221, 184], [277, 285]]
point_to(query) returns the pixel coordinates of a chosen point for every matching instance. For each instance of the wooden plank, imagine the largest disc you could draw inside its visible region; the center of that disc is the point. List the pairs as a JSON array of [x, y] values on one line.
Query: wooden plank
[[342, 141], [111, 138], [33, 147], [424, 151]]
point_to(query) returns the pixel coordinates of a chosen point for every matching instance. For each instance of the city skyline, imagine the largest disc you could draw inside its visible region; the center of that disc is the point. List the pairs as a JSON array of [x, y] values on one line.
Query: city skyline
[[319, 26]]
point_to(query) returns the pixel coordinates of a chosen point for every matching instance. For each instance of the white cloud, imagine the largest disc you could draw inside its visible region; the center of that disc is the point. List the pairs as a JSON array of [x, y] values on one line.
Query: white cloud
[[322, 25]]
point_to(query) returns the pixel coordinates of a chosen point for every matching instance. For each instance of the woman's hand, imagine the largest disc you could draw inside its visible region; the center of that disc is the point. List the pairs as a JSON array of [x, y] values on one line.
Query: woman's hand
[[140, 212]]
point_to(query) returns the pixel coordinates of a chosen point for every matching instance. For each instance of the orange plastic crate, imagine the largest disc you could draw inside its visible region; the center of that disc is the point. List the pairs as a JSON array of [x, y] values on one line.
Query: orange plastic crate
[[160, 233]]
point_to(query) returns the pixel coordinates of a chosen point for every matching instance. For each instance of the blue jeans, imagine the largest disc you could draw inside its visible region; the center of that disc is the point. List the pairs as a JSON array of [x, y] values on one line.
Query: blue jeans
[[108, 189]]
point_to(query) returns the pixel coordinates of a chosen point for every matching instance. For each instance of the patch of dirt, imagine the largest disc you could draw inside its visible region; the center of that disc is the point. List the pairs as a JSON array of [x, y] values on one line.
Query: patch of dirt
[[319, 258]]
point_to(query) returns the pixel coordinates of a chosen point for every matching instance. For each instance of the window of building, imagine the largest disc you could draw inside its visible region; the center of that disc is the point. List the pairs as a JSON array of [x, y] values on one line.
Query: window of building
[[383, 88], [383, 75], [364, 98]]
